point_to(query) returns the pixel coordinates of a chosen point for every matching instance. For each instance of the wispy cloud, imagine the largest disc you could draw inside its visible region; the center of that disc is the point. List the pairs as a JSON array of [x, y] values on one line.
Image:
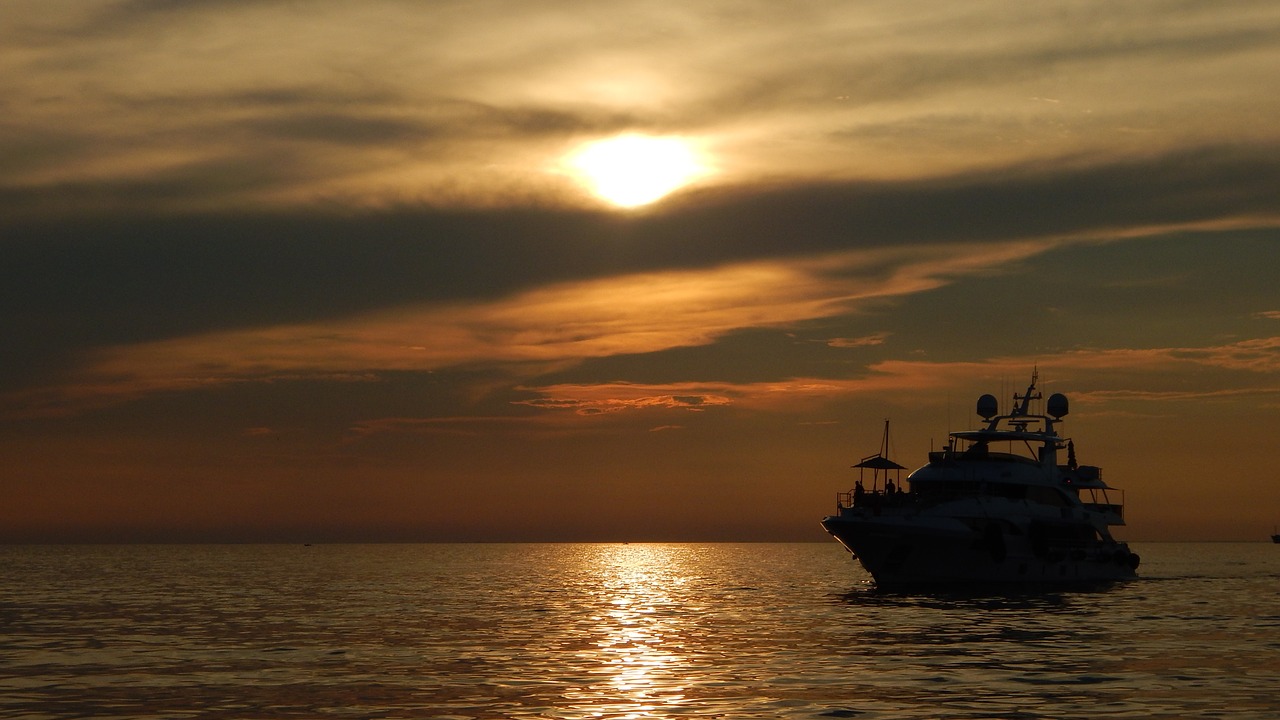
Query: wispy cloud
[[864, 341], [602, 399], [534, 332], [1097, 370], [538, 329], [248, 105]]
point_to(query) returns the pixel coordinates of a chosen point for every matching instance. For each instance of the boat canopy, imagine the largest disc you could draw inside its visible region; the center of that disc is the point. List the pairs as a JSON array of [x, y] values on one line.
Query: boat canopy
[[879, 462]]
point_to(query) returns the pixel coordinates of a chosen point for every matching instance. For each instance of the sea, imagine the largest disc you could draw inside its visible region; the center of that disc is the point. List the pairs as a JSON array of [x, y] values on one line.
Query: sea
[[578, 631]]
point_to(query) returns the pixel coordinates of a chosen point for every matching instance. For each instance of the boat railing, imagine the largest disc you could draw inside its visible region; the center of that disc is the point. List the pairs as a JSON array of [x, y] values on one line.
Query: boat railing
[[1104, 500], [876, 499], [844, 500]]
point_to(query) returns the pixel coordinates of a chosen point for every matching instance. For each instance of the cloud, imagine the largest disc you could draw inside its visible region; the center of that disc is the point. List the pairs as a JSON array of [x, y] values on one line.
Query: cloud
[[1098, 370], [225, 243], [212, 180], [202, 299], [537, 329], [599, 400], [864, 341], [195, 271], [608, 398], [470, 103]]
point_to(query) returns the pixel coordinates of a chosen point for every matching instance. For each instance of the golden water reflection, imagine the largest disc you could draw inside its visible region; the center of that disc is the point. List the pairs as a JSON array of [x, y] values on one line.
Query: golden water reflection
[[638, 631]]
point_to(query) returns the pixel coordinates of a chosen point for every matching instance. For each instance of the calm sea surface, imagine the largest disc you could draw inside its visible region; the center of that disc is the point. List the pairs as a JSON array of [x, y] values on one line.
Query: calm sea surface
[[618, 631]]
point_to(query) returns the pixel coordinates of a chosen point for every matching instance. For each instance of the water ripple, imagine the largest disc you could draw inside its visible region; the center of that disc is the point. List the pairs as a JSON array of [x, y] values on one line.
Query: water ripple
[[617, 631]]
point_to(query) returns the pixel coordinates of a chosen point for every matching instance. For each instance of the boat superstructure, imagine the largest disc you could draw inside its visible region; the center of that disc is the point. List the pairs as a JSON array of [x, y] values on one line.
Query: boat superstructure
[[997, 505]]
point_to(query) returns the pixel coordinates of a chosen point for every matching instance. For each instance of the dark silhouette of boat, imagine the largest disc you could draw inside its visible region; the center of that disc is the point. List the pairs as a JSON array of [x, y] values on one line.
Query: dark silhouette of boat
[[994, 507]]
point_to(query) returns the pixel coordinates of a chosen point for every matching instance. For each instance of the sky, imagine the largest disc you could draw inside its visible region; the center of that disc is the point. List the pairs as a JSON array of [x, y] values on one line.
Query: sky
[[401, 271]]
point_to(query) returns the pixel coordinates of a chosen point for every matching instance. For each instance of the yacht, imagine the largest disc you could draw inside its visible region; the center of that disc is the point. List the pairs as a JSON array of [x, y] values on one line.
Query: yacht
[[997, 505]]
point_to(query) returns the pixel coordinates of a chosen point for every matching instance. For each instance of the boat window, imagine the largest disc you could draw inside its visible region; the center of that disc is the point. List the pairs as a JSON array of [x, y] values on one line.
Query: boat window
[[1007, 490], [977, 451], [1047, 496]]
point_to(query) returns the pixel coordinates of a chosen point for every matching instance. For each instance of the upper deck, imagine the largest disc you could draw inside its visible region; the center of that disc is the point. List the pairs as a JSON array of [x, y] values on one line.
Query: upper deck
[[1014, 457]]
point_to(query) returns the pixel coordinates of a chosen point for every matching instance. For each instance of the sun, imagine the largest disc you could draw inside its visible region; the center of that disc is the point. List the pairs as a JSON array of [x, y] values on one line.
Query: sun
[[633, 170]]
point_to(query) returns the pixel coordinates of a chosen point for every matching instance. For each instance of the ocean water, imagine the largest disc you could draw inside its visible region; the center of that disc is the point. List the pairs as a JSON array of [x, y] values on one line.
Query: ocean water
[[618, 631]]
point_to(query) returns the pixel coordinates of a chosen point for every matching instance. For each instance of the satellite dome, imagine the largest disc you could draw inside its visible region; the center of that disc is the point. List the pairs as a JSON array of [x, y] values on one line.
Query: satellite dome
[[1057, 405], [988, 406]]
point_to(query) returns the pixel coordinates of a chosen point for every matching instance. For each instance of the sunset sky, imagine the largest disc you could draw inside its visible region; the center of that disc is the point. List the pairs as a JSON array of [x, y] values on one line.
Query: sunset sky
[[394, 270]]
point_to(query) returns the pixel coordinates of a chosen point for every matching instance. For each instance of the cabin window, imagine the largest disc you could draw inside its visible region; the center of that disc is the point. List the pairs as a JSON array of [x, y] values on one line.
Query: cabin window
[[1047, 496]]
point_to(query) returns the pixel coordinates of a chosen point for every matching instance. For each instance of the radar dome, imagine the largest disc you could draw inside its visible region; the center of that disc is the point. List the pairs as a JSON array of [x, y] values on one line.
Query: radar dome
[[988, 406], [1057, 405]]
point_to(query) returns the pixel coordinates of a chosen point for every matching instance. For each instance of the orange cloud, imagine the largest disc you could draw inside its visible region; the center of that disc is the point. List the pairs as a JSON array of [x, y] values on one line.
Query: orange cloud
[[533, 331], [612, 402], [864, 341], [617, 397], [899, 377], [560, 325], [793, 393]]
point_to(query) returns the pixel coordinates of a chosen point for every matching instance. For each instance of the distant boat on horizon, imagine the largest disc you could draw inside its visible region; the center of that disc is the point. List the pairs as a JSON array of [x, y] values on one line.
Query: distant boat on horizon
[[982, 514]]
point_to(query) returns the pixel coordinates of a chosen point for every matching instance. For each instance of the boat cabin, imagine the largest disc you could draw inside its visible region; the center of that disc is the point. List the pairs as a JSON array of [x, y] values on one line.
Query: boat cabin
[[1015, 457]]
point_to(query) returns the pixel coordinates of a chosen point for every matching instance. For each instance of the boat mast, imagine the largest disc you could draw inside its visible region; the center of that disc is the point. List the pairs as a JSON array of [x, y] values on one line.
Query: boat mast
[[1026, 399], [880, 461]]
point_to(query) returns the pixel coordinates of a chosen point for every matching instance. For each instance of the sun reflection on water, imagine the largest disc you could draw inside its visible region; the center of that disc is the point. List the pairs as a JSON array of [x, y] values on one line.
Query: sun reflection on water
[[637, 639], [585, 632]]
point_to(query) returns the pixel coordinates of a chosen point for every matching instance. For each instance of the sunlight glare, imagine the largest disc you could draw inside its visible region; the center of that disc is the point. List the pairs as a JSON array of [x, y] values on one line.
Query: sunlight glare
[[634, 170], [637, 653]]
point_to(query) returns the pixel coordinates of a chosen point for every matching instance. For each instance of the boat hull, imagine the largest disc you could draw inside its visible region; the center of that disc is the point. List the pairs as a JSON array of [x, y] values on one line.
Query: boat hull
[[900, 552]]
